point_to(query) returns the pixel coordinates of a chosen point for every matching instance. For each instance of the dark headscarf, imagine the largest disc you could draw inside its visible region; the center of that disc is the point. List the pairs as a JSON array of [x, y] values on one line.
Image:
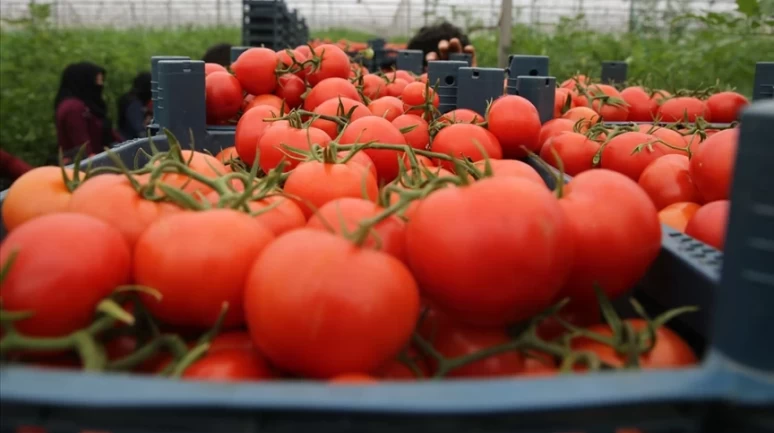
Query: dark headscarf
[[218, 53], [141, 90], [79, 81]]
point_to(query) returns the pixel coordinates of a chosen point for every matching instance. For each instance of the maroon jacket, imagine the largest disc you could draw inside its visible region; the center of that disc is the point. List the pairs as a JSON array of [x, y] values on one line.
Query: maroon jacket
[[76, 126], [12, 167]]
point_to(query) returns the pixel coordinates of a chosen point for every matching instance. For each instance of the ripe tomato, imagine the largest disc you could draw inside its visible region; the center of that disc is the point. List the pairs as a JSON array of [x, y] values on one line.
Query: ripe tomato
[[419, 136], [458, 340], [421, 178], [512, 168], [273, 101], [612, 107], [256, 70], [271, 145], [229, 365], [373, 86], [250, 129], [415, 94], [48, 188], [226, 155], [574, 82], [461, 115], [334, 63], [668, 136], [709, 222], [353, 379], [575, 151], [356, 333], [202, 163], [345, 215], [388, 107], [683, 109], [677, 215], [638, 101], [317, 183], [395, 88], [475, 280], [277, 213], [338, 107], [359, 158], [373, 128], [213, 67], [585, 115], [667, 180], [712, 165], [330, 88], [291, 88], [580, 314], [194, 281], [112, 199], [65, 264], [396, 370], [232, 340], [223, 96], [516, 123], [669, 350], [595, 202], [630, 152], [553, 128], [560, 102], [724, 107], [465, 140], [658, 97]]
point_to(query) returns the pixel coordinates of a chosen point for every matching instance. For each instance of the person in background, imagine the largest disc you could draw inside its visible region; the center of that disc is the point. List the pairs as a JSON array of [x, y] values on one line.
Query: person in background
[[81, 111], [133, 113], [11, 168], [438, 41], [218, 53]]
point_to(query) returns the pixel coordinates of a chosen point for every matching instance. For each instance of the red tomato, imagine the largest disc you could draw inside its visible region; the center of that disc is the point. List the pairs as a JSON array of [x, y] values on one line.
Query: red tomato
[[334, 63], [659, 96], [512, 168], [345, 215], [273, 152], [388, 107], [353, 379], [607, 101], [580, 314], [48, 187], [630, 152], [575, 151], [420, 177], [226, 155], [461, 115], [724, 107], [616, 231], [194, 282], [465, 140], [419, 136], [256, 70], [708, 224], [683, 109], [396, 370], [668, 136], [233, 340], [65, 264], [229, 365], [677, 215], [669, 350], [213, 67], [395, 88], [476, 280], [414, 95], [573, 82], [516, 123], [553, 128], [667, 180], [585, 115], [277, 213], [338, 107], [560, 102], [373, 128], [457, 341], [291, 59], [223, 96], [356, 333], [250, 129], [290, 89], [373, 86], [330, 88], [273, 101], [359, 158], [316, 183], [639, 103], [202, 163], [712, 165]]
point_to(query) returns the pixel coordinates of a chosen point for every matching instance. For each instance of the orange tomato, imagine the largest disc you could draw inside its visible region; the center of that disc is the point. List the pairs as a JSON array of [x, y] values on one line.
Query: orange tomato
[[38, 192]]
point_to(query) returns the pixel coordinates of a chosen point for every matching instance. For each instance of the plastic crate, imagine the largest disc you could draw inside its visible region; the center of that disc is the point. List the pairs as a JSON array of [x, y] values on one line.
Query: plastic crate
[[266, 23]]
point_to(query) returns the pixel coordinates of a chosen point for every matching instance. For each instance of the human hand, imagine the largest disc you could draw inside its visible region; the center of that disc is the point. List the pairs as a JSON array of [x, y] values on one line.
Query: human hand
[[451, 46]]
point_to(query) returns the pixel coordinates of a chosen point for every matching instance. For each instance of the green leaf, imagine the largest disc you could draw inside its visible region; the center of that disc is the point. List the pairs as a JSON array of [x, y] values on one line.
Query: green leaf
[[751, 8]]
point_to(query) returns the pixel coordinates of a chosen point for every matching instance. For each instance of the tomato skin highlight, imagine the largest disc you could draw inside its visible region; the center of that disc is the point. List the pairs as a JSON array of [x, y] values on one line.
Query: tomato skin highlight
[[352, 331], [708, 224], [48, 275]]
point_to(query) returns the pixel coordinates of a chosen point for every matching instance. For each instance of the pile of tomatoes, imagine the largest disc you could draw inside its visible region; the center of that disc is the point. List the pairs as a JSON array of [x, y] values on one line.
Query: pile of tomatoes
[[352, 234]]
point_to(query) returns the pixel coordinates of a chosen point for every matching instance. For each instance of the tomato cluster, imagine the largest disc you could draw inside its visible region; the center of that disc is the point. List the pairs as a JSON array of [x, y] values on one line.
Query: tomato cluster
[[352, 234]]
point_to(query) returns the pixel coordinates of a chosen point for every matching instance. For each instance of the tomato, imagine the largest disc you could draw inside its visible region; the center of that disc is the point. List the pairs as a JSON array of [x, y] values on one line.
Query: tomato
[[345, 215], [630, 152], [330, 88], [639, 103], [229, 365], [464, 262], [683, 109], [359, 158], [658, 97], [574, 150], [585, 115], [419, 136], [194, 282], [611, 106], [414, 95], [317, 183], [512, 168], [516, 123], [291, 59], [250, 129], [373, 86], [353, 332], [580, 314], [712, 165], [465, 140], [396, 87], [668, 136], [388, 107], [226, 155], [461, 115], [291, 88], [396, 369], [112, 199], [724, 107], [456, 341], [48, 188], [202, 163], [539, 367], [373, 128], [65, 264], [334, 63], [338, 107], [353, 379], [271, 145], [413, 179], [239, 340], [256, 70], [223, 96], [553, 128], [669, 350], [213, 67], [616, 231], [573, 82], [708, 224], [273, 101], [667, 180], [560, 102], [278, 214], [677, 215]]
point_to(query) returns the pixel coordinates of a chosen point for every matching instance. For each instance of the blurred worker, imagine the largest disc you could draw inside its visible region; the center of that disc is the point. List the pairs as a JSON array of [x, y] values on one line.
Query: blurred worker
[[218, 53], [438, 41], [11, 168], [133, 113]]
